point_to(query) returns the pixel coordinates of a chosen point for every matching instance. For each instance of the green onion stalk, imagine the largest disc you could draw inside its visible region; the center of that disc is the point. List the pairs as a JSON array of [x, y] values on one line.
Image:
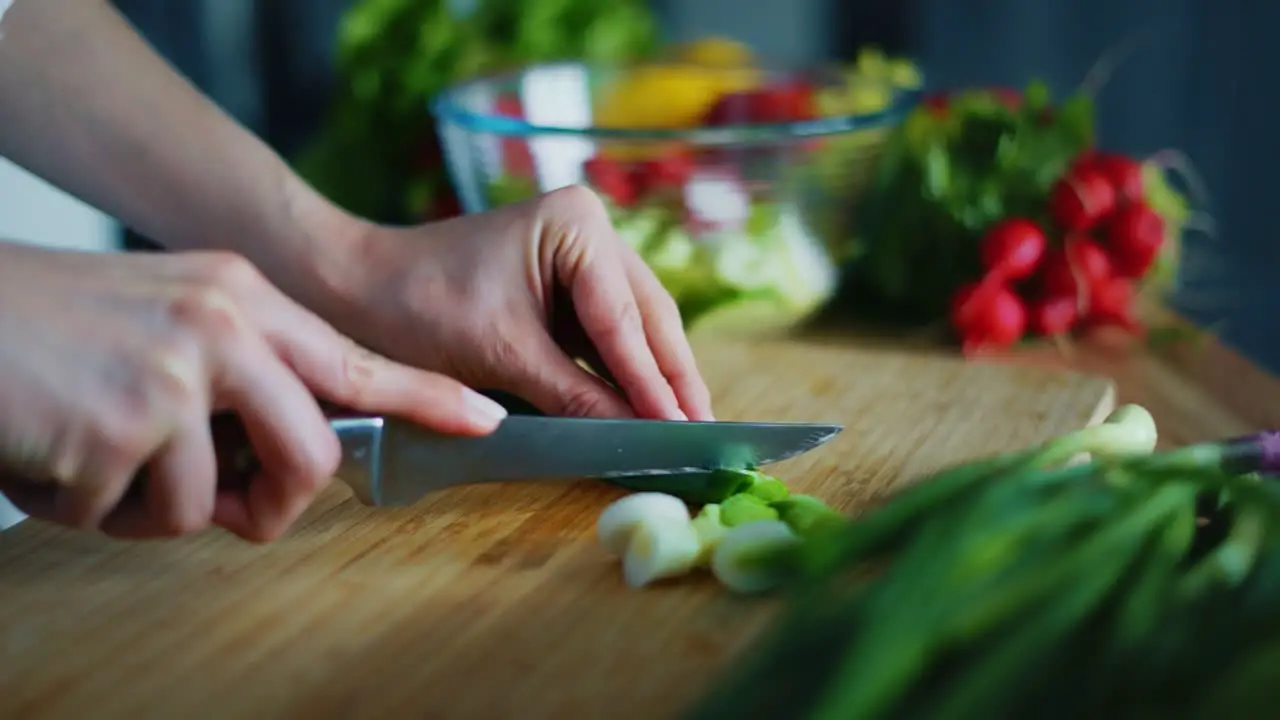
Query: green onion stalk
[[1029, 585]]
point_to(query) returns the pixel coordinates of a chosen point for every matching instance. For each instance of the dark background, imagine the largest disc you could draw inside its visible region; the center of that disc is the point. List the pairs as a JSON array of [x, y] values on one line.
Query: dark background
[[1200, 79]]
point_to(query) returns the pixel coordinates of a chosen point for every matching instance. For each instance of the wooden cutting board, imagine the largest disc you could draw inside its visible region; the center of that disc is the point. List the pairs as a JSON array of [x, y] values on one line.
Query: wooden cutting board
[[481, 602]]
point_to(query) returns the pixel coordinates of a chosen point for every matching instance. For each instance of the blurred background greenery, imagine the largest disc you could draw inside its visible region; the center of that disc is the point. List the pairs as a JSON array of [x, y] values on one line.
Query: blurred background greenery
[[1195, 81]]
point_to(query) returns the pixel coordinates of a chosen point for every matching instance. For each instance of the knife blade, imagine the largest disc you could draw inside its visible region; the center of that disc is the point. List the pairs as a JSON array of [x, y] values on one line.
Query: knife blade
[[392, 462]]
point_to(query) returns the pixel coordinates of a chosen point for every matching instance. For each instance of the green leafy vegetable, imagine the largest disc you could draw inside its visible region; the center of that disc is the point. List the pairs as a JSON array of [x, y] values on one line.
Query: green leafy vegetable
[[1023, 586], [946, 177], [393, 56]]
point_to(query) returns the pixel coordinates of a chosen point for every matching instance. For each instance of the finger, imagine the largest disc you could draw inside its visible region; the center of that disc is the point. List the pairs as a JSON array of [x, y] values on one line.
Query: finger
[[87, 501], [297, 449], [543, 374], [180, 483], [670, 345], [611, 318], [339, 370]]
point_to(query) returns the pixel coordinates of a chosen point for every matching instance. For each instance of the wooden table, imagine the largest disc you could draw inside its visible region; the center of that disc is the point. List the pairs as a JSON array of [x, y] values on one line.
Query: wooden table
[[482, 602]]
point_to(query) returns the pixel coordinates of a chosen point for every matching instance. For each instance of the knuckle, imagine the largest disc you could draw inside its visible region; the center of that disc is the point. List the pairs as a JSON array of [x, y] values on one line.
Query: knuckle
[[171, 375], [206, 309], [123, 443], [503, 354], [626, 322], [584, 402], [574, 201], [227, 270], [359, 369]]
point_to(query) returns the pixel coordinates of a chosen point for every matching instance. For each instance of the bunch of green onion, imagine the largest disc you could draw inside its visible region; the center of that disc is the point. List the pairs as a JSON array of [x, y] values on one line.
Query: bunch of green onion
[[1137, 584]]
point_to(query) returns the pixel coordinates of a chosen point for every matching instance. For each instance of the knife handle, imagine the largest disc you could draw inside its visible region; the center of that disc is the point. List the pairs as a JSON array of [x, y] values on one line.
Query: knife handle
[[237, 461]]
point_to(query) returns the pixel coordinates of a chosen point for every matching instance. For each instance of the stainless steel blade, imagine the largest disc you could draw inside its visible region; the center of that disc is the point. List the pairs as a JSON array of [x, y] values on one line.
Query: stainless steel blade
[[391, 462]]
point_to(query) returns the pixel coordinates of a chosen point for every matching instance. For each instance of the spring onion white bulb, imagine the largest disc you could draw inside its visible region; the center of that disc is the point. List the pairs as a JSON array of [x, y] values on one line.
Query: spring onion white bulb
[[1129, 430], [620, 520], [660, 548], [746, 558]]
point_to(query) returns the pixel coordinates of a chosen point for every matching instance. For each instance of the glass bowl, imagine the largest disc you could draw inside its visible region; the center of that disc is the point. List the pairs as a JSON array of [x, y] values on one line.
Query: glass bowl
[[737, 185]]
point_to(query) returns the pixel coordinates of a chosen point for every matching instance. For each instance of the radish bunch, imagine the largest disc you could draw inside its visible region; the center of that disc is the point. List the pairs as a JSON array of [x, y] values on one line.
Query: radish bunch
[[1079, 270]]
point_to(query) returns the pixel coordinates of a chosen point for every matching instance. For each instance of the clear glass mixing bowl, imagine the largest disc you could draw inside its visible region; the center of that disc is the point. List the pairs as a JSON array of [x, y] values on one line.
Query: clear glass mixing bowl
[[738, 186]]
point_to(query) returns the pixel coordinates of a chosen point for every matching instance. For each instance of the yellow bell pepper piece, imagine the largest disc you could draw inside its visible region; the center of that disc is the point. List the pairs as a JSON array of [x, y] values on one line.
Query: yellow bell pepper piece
[[716, 52], [670, 96]]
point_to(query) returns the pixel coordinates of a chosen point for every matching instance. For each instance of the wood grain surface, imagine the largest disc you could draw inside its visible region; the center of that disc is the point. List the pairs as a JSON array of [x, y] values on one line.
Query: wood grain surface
[[480, 602]]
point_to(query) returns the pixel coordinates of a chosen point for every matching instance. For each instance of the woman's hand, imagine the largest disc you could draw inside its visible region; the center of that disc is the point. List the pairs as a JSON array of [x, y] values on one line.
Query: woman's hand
[[112, 364], [507, 299]]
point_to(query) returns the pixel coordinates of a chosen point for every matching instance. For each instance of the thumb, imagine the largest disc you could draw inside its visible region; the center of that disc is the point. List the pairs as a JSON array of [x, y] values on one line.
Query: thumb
[[548, 378]]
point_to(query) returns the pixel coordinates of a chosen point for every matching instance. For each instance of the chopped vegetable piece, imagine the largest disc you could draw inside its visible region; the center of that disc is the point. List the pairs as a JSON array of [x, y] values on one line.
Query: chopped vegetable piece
[[660, 548], [768, 489], [751, 558], [805, 514], [710, 531], [744, 508], [625, 516]]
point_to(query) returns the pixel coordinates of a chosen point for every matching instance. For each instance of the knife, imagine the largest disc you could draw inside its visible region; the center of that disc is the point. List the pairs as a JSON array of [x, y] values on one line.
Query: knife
[[391, 462]]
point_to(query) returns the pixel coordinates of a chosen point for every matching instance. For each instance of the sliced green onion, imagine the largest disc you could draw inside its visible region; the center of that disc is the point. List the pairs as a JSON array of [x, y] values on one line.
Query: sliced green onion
[[744, 508], [753, 557], [620, 520]]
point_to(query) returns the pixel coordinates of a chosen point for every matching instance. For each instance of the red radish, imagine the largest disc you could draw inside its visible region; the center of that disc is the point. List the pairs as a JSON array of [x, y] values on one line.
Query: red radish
[[1013, 248], [1125, 175], [937, 103], [789, 102], [785, 102], [1085, 159], [1053, 315], [1074, 268], [731, 109], [1082, 198], [1134, 234], [987, 314], [1111, 303], [1008, 97], [517, 158], [669, 170], [611, 178]]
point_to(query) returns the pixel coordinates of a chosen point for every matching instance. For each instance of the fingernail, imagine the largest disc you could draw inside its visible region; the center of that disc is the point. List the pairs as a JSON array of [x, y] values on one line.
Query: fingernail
[[483, 410], [681, 416]]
